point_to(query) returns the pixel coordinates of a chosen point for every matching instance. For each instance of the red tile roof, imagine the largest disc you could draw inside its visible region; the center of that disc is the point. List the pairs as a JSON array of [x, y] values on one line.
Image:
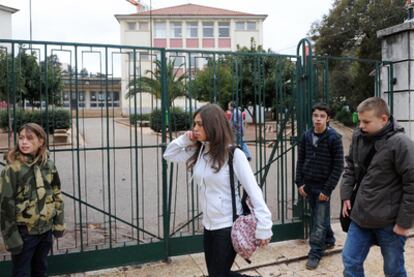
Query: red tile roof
[[192, 9]]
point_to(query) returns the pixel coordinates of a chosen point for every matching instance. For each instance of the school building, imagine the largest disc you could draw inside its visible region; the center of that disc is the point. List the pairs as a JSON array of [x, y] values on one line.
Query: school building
[[183, 27]]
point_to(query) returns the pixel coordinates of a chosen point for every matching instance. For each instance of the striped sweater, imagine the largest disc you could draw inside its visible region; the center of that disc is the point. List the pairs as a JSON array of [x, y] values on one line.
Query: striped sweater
[[321, 162]]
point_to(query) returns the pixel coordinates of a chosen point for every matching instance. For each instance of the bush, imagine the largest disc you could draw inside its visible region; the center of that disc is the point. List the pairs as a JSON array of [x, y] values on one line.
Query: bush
[[57, 119], [180, 120], [345, 117], [4, 120], [133, 118]]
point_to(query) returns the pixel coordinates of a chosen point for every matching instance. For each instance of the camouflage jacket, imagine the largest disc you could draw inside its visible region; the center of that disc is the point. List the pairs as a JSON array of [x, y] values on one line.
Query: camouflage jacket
[[29, 196]]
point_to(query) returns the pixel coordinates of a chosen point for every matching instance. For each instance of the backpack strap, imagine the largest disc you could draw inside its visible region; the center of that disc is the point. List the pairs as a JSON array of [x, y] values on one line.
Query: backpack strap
[[233, 190], [246, 209]]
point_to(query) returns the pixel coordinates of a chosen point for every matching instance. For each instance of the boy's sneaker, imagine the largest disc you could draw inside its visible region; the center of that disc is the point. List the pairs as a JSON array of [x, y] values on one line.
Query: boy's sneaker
[[329, 245], [312, 263]]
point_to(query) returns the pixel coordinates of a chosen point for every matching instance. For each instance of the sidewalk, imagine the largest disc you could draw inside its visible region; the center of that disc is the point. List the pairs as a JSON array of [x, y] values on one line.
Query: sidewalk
[[279, 259]]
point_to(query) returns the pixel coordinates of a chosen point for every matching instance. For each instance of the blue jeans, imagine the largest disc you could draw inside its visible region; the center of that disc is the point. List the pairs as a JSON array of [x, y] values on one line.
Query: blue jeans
[[246, 150], [32, 261], [321, 232], [360, 240]]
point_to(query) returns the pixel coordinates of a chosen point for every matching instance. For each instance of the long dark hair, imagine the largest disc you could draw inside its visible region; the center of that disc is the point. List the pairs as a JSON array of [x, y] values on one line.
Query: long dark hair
[[218, 134]]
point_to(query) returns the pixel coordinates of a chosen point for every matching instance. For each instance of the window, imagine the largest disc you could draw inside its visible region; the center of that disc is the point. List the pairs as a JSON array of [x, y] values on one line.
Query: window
[[251, 26], [115, 98], [176, 29], [69, 99], [92, 99], [160, 30], [239, 25], [143, 26], [131, 26], [97, 99], [192, 29], [208, 29], [144, 56], [81, 102], [224, 29], [194, 60], [178, 61]]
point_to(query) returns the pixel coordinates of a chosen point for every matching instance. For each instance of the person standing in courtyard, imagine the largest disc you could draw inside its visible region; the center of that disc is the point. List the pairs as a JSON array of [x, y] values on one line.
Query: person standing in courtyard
[[381, 161], [237, 122], [31, 205], [205, 150], [319, 166]]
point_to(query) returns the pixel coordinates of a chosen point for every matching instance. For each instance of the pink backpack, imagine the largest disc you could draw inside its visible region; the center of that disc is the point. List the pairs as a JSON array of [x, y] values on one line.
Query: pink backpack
[[243, 235]]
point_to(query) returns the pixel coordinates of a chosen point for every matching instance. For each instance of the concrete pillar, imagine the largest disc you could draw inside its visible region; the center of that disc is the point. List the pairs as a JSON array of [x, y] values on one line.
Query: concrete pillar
[[398, 47]]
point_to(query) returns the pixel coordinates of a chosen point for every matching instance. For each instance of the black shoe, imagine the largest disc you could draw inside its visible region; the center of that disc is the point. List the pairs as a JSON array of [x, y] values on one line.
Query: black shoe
[[329, 245], [312, 263]]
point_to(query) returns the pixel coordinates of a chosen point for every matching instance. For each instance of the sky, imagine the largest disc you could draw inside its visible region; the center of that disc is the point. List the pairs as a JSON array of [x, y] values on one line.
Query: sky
[[88, 21]]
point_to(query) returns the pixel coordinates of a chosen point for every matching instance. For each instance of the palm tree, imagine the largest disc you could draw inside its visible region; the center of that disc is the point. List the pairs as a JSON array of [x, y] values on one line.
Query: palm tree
[[175, 83]]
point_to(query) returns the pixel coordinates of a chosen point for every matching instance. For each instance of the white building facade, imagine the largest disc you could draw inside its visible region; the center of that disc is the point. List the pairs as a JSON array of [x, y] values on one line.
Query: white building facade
[[192, 27], [189, 26], [6, 21]]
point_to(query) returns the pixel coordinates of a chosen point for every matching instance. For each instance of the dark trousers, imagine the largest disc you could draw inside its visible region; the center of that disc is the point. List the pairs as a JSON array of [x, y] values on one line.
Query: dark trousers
[[219, 253], [32, 261], [321, 232]]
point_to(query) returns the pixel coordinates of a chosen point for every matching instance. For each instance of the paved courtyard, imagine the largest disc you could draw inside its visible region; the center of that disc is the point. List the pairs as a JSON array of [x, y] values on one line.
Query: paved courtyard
[[282, 259]]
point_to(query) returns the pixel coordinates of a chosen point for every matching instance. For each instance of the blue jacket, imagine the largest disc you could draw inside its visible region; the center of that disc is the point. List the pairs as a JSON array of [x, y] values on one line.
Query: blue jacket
[[320, 165]]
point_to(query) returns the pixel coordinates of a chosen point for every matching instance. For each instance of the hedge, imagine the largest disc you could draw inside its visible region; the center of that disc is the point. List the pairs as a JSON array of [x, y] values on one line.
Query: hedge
[[57, 119], [180, 120], [133, 118], [345, 117]]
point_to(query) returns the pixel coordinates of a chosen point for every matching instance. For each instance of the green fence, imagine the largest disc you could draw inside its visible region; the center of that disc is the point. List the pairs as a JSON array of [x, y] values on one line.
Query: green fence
[[110, 110]]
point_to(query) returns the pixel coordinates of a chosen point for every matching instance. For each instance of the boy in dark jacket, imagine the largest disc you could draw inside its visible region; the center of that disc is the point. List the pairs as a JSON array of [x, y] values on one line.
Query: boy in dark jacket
[[319, 167], [381, 160]]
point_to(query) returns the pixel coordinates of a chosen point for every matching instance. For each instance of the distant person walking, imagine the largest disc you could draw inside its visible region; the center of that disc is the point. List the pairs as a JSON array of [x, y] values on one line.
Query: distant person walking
[[237, 122], [319, 167], [206, 149], [31, 204], [381, 161]]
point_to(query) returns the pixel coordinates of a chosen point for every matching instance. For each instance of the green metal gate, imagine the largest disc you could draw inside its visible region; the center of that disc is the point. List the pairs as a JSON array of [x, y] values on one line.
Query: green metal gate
[[124, 203]]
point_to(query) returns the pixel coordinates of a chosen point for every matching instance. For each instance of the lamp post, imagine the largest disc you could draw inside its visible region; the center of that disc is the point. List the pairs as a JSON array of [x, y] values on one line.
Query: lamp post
[[30, 18]]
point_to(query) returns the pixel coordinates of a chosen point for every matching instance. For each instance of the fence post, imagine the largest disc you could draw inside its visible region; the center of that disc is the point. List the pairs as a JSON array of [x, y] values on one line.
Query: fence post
[[164, 122]]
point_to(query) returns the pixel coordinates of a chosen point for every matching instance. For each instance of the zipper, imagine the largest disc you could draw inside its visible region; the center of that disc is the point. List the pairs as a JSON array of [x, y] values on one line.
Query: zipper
[[37, 201], [205, 205]]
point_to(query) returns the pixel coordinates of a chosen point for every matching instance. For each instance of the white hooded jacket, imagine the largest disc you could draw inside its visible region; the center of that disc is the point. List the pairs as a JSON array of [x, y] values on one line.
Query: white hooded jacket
[[214, 187]]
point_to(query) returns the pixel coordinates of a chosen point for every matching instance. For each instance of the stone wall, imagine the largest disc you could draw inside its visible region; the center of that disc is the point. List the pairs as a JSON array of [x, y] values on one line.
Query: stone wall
[[398, 48]]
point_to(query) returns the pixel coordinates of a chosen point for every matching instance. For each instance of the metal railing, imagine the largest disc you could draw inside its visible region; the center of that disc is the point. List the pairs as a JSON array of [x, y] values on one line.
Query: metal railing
[[123, 202]]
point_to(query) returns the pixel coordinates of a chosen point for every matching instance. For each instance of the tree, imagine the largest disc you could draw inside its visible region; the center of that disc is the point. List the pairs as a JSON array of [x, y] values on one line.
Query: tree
[[28, 74], [3, 75], [31, 79], [152, 84], [252, 77], [350, 30], [84, 72], [53, 79], [213, 83]]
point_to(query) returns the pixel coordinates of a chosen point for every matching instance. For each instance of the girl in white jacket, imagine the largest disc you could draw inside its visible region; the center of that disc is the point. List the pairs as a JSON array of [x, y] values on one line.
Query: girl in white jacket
[[205, 150]]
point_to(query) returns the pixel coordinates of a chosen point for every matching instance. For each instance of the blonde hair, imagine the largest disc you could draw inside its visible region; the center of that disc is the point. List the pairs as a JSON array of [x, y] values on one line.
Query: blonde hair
[[41, 155], [376, 104]]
